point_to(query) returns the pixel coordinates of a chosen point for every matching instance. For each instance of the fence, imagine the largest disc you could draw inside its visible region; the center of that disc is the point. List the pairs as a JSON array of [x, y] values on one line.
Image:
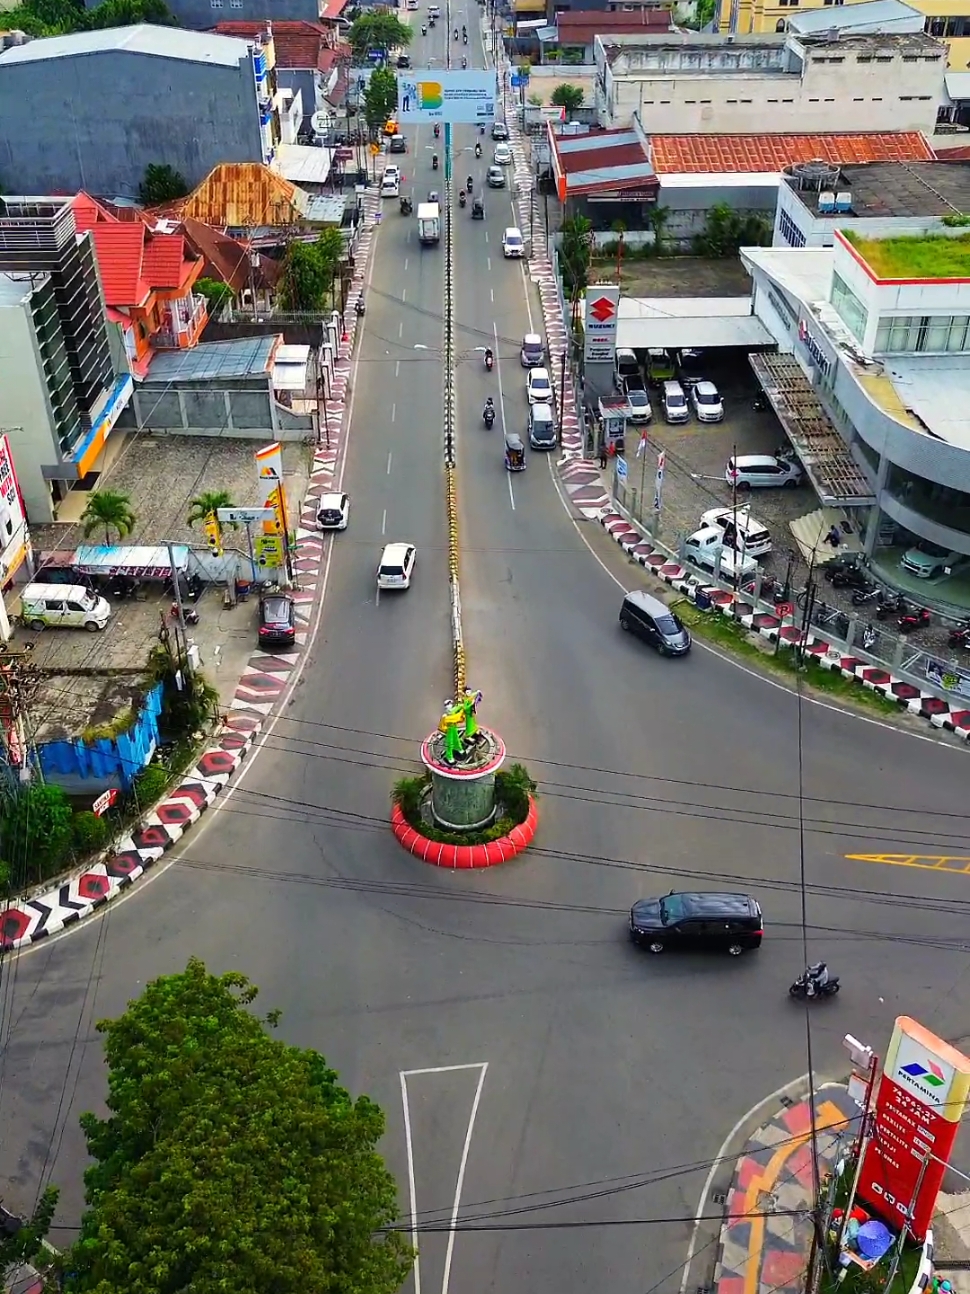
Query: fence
[[851, 635], [109, 761]]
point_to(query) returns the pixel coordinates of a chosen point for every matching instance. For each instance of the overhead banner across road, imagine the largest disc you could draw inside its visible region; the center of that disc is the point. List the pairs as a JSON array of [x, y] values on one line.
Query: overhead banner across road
[[459, 97]]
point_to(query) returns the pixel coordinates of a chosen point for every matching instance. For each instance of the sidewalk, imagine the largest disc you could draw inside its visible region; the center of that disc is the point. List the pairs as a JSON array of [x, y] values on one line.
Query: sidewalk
[[773, 1174]]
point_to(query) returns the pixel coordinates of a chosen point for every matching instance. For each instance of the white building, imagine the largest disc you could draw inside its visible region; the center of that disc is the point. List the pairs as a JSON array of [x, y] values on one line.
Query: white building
[[801, 84]]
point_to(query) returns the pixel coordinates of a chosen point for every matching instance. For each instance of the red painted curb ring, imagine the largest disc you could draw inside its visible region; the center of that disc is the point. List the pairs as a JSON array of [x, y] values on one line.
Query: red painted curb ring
[[466, 857]]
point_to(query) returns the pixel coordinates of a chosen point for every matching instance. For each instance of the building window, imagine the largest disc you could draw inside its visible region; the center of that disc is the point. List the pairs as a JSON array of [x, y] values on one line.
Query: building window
[[864, 58], [792, 235], [929, 333], [940, 503], [850, 309]]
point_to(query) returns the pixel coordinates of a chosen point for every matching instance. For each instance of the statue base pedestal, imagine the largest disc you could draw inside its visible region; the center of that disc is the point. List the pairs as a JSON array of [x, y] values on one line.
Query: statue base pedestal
[[463, 793]]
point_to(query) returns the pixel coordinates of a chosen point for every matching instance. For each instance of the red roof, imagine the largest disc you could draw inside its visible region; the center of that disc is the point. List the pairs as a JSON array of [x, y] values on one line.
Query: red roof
[[333, 9], [961, 153], [745, 154], [581, 26], [298, 45], [133, 260]]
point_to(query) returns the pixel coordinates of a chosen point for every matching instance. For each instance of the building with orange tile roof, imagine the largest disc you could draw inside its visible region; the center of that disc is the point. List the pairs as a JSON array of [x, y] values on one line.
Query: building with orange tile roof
[[147, 276]]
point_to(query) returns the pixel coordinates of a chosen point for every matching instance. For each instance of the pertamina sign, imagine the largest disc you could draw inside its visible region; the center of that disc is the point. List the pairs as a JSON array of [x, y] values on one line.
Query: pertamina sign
[[599, 322], [922, 1093]]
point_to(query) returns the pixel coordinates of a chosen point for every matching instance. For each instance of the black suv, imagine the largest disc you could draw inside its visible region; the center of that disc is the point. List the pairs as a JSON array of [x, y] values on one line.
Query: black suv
[[724, 922]]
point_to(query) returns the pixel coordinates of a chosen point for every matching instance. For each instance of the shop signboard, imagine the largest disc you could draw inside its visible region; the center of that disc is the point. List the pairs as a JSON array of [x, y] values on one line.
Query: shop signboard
[[599, 322], [269, 469], [922, 1094]]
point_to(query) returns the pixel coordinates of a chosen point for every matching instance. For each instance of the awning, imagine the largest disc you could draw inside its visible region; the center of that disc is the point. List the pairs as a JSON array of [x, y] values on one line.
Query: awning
[[144, 563], [701, 323], [290, 368]]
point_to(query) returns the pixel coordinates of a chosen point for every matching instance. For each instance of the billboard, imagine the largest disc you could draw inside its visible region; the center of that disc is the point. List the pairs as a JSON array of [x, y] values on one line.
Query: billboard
[[14, 539], [599, 322], [269, 466], [460, 97], [922, 1094]]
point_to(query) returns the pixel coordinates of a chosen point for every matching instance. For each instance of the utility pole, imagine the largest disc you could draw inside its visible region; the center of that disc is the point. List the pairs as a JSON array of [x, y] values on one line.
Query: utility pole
[[177, 587]]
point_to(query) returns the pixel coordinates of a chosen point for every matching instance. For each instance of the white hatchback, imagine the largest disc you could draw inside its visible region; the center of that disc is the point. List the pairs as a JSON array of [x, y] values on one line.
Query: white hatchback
[[333, 511], [503, 155], [397, 563], [538, 387], [512, 244]]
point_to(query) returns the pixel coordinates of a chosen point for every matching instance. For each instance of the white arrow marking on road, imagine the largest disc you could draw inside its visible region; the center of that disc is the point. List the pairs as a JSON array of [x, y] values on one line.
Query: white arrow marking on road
[[405, 1074]]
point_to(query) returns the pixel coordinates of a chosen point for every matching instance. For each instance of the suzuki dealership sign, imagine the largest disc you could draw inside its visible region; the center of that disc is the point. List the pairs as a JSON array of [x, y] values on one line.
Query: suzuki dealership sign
[[460, 97], [599, 322], [922, 1094]]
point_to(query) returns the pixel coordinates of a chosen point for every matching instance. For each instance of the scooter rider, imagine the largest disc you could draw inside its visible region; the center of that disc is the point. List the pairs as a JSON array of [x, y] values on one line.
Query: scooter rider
[[488, 413], [464, 61], [456, 33], [816, 977], [424, 29], [489, 357], [471, 183], [478, 150], [437, 129]]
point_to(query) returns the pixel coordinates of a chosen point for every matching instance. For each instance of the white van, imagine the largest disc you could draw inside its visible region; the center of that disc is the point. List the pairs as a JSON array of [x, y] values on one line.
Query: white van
[[740, 530], [63, 606], [542, 427]]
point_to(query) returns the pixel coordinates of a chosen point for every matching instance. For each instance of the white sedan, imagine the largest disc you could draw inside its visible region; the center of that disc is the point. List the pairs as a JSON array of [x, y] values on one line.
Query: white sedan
[[333, 511], [503, 155], [538, 387], [512, 244]]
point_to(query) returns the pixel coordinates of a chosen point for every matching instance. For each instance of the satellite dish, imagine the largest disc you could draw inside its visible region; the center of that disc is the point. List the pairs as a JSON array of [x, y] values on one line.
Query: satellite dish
[[320, 122]]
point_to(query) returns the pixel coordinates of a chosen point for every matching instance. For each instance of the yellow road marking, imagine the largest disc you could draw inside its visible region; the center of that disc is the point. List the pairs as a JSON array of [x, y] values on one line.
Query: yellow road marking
[[956, 863], [828, 1115]]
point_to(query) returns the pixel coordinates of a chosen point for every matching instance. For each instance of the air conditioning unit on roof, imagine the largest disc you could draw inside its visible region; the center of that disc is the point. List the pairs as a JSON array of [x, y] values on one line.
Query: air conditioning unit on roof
[[826, 202]]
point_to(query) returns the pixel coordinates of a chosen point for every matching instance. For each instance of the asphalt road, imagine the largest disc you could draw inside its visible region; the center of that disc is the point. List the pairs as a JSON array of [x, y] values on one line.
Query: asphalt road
[[517, 1042]]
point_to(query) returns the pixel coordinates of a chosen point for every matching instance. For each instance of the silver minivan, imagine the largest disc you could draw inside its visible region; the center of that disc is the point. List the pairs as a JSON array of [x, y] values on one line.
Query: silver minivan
[[675, 406], [542, 427], [63, 606]]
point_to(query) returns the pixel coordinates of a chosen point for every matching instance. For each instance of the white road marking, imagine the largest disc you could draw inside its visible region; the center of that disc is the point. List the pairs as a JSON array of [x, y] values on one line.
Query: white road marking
[[508, 477], [397, 368], [393, 413], [491, 293], [390, 455], [404, 292], [501, 402], [400, 329], [489, 260], [461, 1178], [405, 264], [377, 597], [444, 1069], [411, 1191], [486, 235], [384, 523]]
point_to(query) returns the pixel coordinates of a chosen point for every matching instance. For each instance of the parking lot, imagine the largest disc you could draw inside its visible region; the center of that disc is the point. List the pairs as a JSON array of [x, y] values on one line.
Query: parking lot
[[94, 675]]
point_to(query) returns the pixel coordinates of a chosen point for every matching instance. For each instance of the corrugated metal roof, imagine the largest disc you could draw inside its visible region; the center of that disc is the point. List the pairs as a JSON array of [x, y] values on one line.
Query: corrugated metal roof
[[303, 163], [753, 153], [245, 195], [215, 360], [158, 42], [876, 14]]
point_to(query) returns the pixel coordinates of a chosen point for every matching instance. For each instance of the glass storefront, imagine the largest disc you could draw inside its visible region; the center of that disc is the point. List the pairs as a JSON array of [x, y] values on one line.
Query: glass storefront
[[939, 503]]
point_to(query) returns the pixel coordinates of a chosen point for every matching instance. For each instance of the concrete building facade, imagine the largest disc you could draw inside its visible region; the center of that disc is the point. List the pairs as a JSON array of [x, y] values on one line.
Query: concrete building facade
[[92, 110], [63, 388], [770, 84]]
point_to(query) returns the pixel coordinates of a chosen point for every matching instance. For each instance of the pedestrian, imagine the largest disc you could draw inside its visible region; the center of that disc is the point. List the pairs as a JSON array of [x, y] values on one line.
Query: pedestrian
[[603, 453]]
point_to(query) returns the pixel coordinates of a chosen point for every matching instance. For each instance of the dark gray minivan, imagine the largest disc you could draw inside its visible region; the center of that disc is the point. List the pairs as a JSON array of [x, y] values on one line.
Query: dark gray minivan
[[654, 622]]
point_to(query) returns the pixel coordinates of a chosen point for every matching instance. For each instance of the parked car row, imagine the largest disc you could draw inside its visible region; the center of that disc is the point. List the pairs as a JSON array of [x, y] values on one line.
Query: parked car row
[[677, 397]]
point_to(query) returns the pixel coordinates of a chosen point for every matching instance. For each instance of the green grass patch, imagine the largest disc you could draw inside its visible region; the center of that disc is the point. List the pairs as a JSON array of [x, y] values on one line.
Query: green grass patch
[[735, 639], [513, 787], [932, 256]]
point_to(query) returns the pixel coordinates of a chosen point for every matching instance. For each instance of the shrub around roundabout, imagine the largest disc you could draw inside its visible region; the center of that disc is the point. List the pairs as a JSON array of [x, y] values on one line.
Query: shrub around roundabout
[[510, 833]]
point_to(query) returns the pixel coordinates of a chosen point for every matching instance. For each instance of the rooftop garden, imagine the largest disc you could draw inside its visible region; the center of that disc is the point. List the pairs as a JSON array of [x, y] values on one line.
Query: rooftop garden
[[926, 256]]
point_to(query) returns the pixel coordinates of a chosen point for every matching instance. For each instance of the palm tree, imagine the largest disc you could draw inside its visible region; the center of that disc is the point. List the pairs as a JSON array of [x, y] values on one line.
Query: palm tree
[[207, 504], [110, 509]]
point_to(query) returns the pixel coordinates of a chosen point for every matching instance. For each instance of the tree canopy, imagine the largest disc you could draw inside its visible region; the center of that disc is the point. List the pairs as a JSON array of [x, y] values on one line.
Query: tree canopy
[[379, 29], [309, 270], [161, 183], [380, 97], [229, 1159], [59, 17], [568, 97], [108, 510]]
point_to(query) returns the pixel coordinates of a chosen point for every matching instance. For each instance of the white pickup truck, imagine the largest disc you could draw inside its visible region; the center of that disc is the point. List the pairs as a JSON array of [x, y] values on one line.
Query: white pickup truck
[[429, 223], [703, 548]]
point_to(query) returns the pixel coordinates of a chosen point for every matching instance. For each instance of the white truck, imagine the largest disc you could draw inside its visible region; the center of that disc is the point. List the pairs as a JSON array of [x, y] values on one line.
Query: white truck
[[429, 223], [705, 546]]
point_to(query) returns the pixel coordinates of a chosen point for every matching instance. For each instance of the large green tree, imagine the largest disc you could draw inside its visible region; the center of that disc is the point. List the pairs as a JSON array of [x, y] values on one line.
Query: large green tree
[[380, 98], [229, 1160], [161, 183], [568, 97], [58, 17], [309, 270], [378, 29]]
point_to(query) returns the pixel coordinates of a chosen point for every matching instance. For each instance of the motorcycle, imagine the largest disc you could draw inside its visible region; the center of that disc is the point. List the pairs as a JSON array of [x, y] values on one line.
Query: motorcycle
[[190, 617], [869, 638], [406, 206], [959, 635], [437, 130], [849, 577], [488, 417], [424, 30], [359, 307], [478, 150], [489, 360], [456, 33], [434, 161], [461, 197], [861, 596], [918, 618], [800, 989], [471, 183], [464, 62], [891, 606]]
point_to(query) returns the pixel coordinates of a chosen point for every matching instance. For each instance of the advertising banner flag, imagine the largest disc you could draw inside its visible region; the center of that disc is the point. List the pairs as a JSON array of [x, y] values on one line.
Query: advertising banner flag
[[269, 468], [922, 1095], [461, 97]]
